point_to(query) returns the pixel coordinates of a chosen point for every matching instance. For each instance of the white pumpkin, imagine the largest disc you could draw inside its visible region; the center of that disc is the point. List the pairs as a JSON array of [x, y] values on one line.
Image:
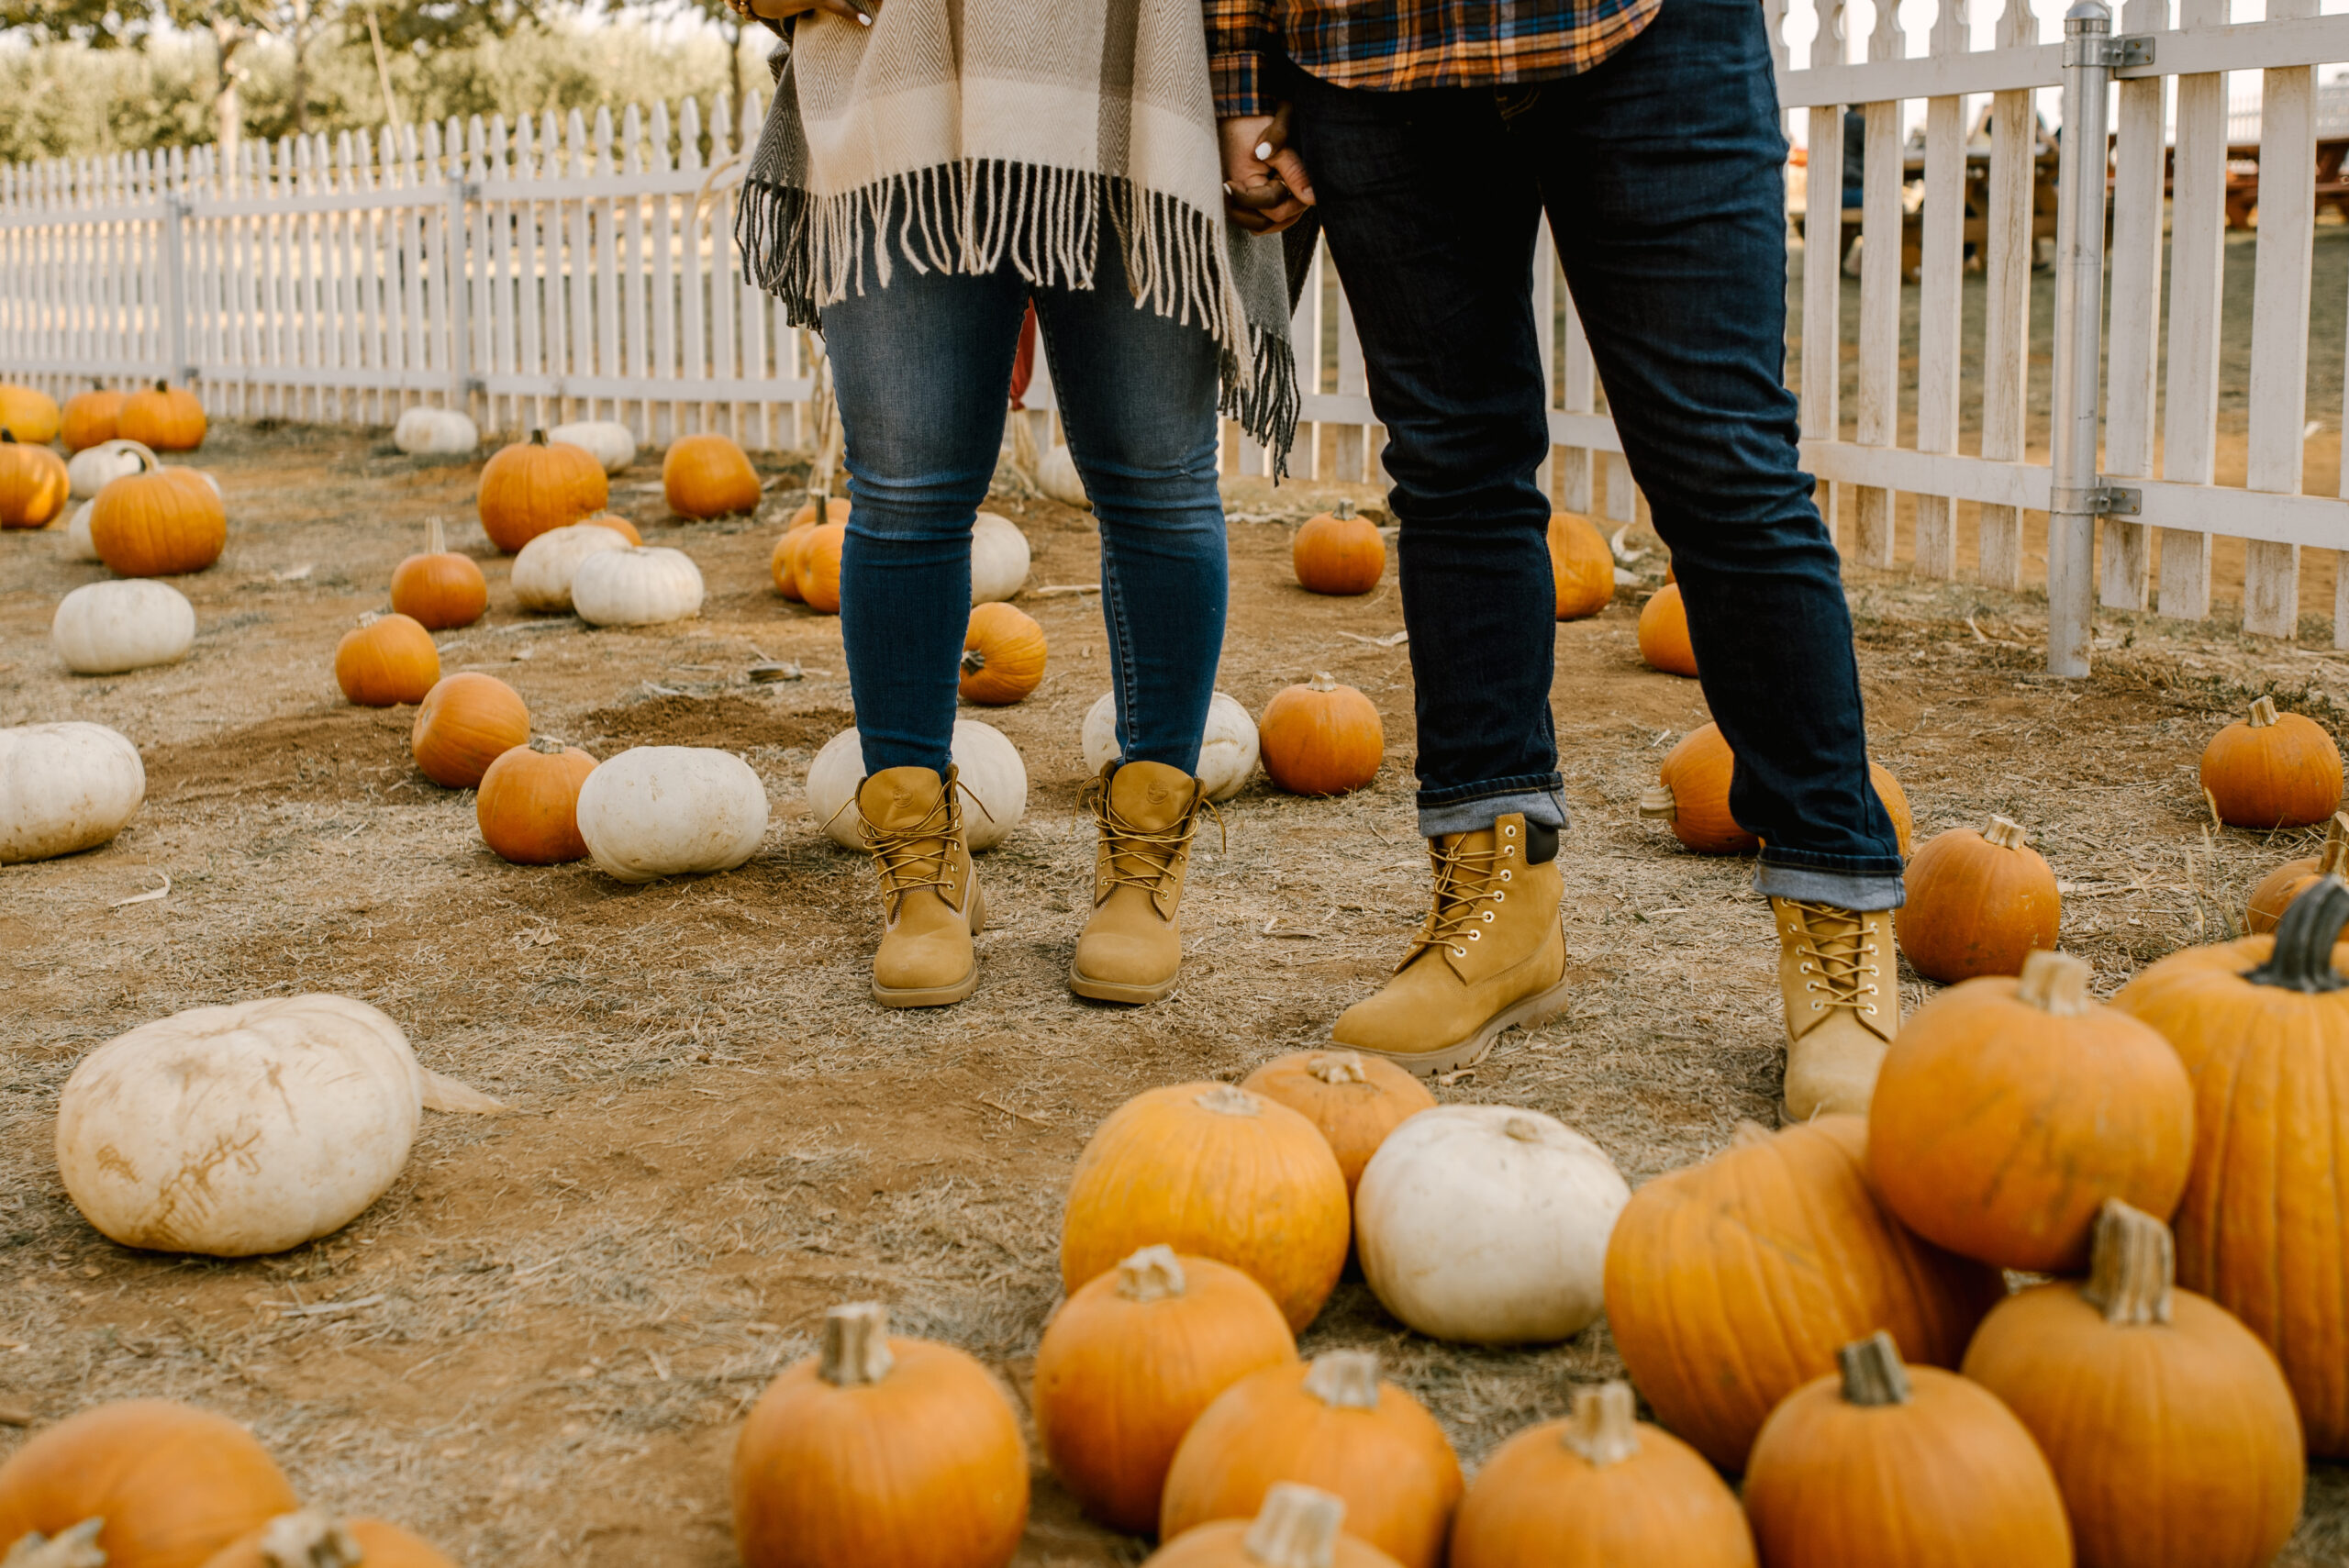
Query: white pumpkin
[[992, 776], [79, 546], [543, 571], [246, 1129], [428, 430], [104, 628], [1227, 749], [998, 559], [657, 811], [1057, 477], [90, 469], [636, 585], [1488, 1224], [612, 444], [64, 788]]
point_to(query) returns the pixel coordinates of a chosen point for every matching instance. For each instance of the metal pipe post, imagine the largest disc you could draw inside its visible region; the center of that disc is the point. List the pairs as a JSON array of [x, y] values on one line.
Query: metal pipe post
[[2079, 337]]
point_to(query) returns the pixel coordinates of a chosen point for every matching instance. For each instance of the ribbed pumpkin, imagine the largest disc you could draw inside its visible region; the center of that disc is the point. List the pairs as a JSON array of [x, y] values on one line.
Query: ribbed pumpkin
[[33, 485], [30, 412], [1898, 1467], [538, 484], [2007, 1111], [159, 523], [1299, 1527], [1729, 1283], [1215, 1172], [1664, 633], [1322, 739], [1130, 1360], [315, 1538], [2287, 882], [2262, 1027], [1691, 795], [880, 1452], [707, 475], [91, 418], [1979, 904], [166, 417], [174, 1483], [1003, 655], [439, 589], [2272, 770], [817, 566], [1356, 1100], [2167, 1423], [614, 522], [467, 721], [1602, 1490], [1582, 566], [1338, 553], [529, 803], [387, 661], [1332, 1423]]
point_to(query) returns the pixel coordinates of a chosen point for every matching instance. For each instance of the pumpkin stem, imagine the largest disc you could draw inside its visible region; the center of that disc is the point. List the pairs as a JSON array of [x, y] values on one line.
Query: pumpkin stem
[[2132, 1264], [1154, 1273], [1873, 1374], [856, 1345], [1338, 1067], [7, 436], [1344, 510], [77, 1547], [2006, 833], [1747, 1134], [2057, 983], [2263, 713], [2333, 859], [1605, 1428], [538, 437], [311, 1539], [1228, 1099], [1523, 1129], [436, 541], [1321, 682], [974, 660], [548, 746], [1297, 1527], [1657, 804], [1344, 1380], [163, 386], [2302, 957]]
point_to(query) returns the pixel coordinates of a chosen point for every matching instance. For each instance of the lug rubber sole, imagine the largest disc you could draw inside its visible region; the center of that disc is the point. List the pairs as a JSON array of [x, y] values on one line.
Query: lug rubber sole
[[939, 995], [1478, 1046], [1111, 991]]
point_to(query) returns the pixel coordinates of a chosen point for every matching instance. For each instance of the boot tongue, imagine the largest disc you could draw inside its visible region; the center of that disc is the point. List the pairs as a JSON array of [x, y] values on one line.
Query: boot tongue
[[1151, 796], [898, 799]]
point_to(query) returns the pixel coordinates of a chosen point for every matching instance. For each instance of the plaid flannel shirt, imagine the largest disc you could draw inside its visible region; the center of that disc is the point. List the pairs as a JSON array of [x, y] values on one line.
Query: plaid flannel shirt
[[1392, 45]]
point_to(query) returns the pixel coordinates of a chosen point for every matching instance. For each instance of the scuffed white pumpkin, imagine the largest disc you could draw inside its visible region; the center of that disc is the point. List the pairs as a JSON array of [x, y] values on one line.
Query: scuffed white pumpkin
[[1227, 749], [657, 811], [998, 558], [543, 571], [104, 628], [1057, 477], [635, 585], [1488, 1225], [995, 784], [78, 545], [611, 443], [64, 788], [435, 431], [90, 469]]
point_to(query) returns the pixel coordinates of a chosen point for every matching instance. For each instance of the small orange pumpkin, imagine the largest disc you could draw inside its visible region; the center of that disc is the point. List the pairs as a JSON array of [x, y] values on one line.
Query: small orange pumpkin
[[529, 803], [91, 418], [1322, 739], [538, 484], [386, 661], [1691, 794], [315, 1538], [1664, 633], [2272, 770], [159, 522], [166, 417], [439, 589], [817, 567], [1338, 553], [30, 413], [1003, 655], [174, 1483], [617, 524], [1356, 1100], [33, 485], [468, 721], [1582, 566], [707, 475], [1299, 1527], [2287, 882], [1977, 904]]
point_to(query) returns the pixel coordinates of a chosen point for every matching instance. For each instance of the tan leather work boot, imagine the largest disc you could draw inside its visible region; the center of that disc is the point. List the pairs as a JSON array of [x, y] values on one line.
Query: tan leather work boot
[[1133, 947], [930, 906], [1490, 957], [1842, 986]]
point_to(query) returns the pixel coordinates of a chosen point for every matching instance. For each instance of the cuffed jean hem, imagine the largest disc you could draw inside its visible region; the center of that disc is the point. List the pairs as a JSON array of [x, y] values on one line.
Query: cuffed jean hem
[[1854, 891], [1546, 807]]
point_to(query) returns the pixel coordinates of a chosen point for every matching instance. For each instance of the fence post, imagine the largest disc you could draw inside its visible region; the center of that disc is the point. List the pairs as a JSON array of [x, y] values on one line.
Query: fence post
[[175, 239], [456, 235], [2079, 333]]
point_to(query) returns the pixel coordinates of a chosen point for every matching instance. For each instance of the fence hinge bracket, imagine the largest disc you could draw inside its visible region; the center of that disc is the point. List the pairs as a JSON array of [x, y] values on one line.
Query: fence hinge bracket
[[2111, 53], [2098, 501]]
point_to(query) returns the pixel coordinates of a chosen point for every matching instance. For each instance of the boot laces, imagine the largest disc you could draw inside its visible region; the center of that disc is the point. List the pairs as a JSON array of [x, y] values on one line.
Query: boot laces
[[1467, 883], [918, 856], [1141, 857], [1840, 960]]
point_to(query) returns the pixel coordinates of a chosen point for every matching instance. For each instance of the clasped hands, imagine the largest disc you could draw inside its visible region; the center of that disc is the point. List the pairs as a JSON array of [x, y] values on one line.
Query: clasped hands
[[1264, 184]]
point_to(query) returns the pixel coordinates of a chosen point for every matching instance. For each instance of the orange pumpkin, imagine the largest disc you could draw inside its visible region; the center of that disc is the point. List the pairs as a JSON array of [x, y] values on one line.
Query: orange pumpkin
[[817, 567], [315, 1538], [386, 661], [1602, 1490], [781, 566], [1730, 1282], [1356, 1100], [1322, 739], [529, 803], [880, 1452], [33, 486], [538, 484], [2287, 882], [1978, 903], [1582, 566], [1664, 633], [166, 417], [617, 524], [174, 1483], [30, 413], [160, 522], [441, 588], [1216, 1171], [2272, 770], [1003, 655], [1332, 1423], [1900, 1467], [1130, 1361], [1338, 553], [467, 722], [707, 475], [1691, 794], [1299, 1527], [91, 418]]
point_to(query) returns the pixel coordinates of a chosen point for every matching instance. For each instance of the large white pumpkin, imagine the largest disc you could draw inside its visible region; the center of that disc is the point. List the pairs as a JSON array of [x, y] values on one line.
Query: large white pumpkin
[[78, 545], [635, 585], [1057, 477], [90, 469], [992, 773], [612, 444], [104, 628], [1227, 749], [659, 811], [423, 430], [1487, 1223], [543, 571], [998, 559], [65, 788]]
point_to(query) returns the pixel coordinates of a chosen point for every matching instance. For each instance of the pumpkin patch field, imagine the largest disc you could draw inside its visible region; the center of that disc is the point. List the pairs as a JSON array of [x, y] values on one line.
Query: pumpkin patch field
[[571, 1290]]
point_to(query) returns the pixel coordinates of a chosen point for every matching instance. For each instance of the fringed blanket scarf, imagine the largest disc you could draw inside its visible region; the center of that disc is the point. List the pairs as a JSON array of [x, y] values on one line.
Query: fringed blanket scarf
[[964, 133]]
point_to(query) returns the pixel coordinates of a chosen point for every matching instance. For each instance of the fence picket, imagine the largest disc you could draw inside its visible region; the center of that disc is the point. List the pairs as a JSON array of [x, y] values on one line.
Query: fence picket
[[1878, 391], [2279, 328], [2139, 170]]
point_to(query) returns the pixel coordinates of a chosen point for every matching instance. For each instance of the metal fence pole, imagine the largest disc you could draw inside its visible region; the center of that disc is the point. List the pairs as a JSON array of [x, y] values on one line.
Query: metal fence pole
[[2088, 57]]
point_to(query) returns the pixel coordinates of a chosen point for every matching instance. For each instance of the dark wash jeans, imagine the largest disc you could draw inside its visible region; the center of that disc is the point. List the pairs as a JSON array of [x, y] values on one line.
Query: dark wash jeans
[[922, 367], [1660, 170]]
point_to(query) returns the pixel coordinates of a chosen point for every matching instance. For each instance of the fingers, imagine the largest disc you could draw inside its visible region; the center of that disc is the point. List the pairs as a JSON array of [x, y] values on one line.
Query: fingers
[[1290, 170], [1266, 206], [861, 15]]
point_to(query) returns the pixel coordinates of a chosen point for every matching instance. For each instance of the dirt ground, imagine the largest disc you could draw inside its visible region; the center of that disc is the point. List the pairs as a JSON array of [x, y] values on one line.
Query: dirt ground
[[536, 1349]]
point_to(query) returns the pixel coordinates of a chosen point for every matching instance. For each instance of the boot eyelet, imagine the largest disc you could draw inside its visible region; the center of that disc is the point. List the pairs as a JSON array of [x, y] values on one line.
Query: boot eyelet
[[1460, 952], [1818, 1007], [1488, 916], [1498, 898], [1509, 832], [1870, 1009], [1506, 873], [1477, 935]]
